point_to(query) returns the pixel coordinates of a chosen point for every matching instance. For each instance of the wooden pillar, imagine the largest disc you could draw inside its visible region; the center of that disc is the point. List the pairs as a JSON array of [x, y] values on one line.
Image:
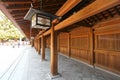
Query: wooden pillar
[[69, 45], [36, 44], [43, 47], [54, 55], [39, 46], [32, 42], [58, 43], [92, 47]]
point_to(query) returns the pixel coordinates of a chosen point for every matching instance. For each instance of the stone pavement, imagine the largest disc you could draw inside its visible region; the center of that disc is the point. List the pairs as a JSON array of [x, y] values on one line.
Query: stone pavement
[[69, 69], [30, 67]]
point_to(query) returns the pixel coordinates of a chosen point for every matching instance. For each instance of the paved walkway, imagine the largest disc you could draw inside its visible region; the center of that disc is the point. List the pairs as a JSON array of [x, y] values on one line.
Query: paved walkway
[[30, 67]]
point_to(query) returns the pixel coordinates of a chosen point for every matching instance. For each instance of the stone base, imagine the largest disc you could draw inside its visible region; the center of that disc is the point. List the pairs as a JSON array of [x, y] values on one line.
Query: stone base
[[53, 77]]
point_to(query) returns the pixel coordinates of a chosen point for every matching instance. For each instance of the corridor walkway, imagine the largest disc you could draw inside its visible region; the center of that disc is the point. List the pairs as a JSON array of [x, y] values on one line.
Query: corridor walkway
[[30, 67], [68, 69]]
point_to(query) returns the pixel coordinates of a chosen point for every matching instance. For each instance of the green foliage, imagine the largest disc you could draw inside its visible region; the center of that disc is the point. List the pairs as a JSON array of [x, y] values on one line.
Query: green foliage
[[7, 29]]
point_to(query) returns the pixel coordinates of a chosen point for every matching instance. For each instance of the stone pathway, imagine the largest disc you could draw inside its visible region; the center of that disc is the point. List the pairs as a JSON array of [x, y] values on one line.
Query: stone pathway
[[30, 67], [69, 69]]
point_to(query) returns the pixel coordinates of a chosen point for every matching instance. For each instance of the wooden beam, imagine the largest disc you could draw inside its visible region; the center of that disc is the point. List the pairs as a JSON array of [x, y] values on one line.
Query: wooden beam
[[90, 10], [17, 2], [54, 54], [87, 12], [69, 4], [53, 9], [5, 11], [14, 14], [64, 9], [24, 8], [18, 16], [39, 34], [51, 5], [35, 1], [19, 12], [21, 8]]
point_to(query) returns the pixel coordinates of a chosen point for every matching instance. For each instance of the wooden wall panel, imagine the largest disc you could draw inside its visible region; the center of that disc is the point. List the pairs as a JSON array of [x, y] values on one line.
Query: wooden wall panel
[[63, 43], [47, 42], [80, 44], [107, 45]]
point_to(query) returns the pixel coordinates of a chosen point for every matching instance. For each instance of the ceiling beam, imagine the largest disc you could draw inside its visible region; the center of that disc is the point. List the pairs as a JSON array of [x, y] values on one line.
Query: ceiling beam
[[19, 14], [66, 7], [53, 9], [17, 2], [21, 8], [92, 9], [18, 17], [21, 20], [15, 8], [35, 1], [5, 11], [54, 4]]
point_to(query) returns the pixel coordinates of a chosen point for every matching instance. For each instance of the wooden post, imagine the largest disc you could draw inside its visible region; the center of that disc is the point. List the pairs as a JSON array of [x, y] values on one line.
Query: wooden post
[[32, 42], [54, 55], [39, 46], [69, 45], [91, 47], [43, 47]]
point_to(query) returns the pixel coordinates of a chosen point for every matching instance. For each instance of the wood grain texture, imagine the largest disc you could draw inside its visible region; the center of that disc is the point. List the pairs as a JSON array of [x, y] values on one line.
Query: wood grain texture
[[92, 9], [107, 45]]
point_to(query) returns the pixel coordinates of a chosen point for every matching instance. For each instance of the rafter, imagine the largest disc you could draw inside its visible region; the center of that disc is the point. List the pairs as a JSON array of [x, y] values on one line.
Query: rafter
[[67, 6], [54, 4], [53, 9], [18, 14], [18, 18], [86, 12], [21, 8], [25, 8], [17, 2]]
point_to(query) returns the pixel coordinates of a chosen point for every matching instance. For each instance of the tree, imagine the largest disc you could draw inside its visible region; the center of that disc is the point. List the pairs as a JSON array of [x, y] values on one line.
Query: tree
[[7, 29]]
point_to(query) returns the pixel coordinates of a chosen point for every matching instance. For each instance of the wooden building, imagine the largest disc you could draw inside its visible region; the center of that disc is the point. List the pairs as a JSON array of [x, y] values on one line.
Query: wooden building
[[89, 30]]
